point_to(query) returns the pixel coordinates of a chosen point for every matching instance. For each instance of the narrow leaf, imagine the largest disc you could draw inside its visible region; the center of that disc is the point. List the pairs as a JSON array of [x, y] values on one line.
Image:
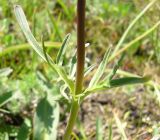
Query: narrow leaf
[[116, 83], [21, 18], [128, 81], [89, 69], [55, 25], [100, 69], [110, 132], [62, 50], [65, 8], [114, 70]]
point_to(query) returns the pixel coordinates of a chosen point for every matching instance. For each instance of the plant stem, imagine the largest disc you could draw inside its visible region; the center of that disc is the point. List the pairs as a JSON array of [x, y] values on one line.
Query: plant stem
[[80, 66], [71, 121], [80, 45]]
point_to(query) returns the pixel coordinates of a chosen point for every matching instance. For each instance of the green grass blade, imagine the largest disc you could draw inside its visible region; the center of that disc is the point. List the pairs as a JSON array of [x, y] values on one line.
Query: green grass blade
[[62, 50], [21, 18], [54, 23], [65, 8], [120, 127], [99, 132], [132, 24], [100, 69], [130, 44], [128, 81], [81, 129], [26, 46], [110, 133]]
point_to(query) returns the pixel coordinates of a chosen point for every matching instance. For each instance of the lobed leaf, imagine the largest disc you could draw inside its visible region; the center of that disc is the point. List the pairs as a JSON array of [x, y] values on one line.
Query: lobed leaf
[[100, 69], [26, 30], [116, 83], [59, 70]]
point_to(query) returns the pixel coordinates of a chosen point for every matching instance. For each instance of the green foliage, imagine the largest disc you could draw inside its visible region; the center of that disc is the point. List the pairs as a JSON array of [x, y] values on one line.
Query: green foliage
[[128, 81], [32, 82], [62, 51], [5, 97], [24, 131], [54, 23], [110, 133], [46, 120], [24, 25]]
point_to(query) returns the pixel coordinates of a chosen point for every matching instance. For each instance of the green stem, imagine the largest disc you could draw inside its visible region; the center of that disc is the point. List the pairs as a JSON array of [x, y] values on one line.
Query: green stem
[[80, 67], [72, 119]]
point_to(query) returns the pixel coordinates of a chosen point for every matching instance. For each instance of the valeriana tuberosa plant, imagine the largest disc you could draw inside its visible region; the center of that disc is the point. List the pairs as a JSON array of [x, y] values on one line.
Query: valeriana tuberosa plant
[[74, 80], [80, 67]]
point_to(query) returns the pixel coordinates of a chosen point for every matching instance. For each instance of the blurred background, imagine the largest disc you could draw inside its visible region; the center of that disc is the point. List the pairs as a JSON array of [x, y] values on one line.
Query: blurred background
[[130, 112]]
